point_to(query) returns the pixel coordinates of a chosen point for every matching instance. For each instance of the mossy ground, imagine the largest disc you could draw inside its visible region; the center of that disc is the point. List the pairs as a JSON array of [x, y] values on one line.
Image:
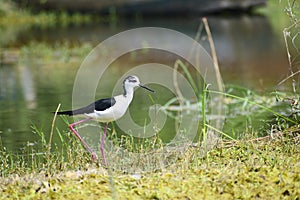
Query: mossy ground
[[268, 169]]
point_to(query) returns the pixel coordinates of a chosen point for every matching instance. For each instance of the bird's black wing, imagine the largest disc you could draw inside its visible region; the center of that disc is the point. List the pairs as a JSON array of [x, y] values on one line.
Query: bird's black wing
[[104, 104], [99, 105]]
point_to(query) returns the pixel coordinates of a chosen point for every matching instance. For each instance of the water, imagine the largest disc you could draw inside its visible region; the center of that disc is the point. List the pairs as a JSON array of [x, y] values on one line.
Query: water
[[250, 51]]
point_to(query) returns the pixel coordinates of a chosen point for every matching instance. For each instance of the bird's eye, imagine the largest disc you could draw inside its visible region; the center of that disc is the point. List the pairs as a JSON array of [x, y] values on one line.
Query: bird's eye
[[134, 81]]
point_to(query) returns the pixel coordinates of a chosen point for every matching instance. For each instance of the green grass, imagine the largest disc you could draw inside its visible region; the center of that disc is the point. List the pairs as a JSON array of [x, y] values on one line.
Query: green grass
[[267, 169], [55, 53], [12, 15]]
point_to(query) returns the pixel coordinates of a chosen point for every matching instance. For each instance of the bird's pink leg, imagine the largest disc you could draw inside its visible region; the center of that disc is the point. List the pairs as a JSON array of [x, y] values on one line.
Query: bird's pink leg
[[71, 126], [102, 144]]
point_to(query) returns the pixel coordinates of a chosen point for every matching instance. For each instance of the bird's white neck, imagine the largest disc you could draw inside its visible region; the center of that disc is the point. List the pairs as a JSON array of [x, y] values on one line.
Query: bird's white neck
[[128, 91]]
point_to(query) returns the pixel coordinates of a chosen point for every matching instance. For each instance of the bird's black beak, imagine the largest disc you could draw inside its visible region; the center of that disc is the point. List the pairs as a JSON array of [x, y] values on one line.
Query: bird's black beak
[[142, 86]]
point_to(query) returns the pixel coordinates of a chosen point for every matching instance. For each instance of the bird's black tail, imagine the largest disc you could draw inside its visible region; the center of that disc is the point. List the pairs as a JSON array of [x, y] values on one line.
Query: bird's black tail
[[69, 112], [85, 110]]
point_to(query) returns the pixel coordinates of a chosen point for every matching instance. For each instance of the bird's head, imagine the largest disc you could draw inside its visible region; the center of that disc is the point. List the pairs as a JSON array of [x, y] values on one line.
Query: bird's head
[[133, 81]]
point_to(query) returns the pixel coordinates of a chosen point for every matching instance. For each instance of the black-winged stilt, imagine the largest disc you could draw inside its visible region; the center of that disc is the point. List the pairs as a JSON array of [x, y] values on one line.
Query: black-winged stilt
[[105, 110]]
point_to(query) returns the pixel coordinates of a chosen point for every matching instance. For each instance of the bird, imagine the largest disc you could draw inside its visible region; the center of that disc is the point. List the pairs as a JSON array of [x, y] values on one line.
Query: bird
[[105, 110]]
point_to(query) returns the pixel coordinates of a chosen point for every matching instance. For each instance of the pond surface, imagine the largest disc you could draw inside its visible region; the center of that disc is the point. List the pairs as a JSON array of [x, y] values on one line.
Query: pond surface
[[250, 50]]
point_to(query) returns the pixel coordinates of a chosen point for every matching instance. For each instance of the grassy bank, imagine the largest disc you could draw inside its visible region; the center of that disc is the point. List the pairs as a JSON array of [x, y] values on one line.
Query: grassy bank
[[250, 169]]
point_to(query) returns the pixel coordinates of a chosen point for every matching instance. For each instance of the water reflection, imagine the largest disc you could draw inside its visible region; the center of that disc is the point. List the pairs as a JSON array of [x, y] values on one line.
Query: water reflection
[[246, 45], [249, 51], [17, 99], [27, 85]]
